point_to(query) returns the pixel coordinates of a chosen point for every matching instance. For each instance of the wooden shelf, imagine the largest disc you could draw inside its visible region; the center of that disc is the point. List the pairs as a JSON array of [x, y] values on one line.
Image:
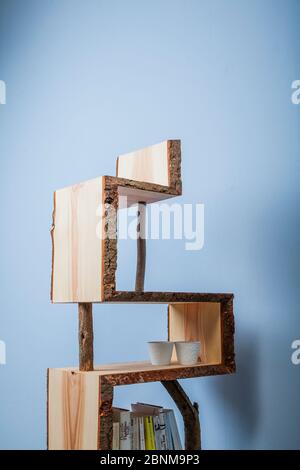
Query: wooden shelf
[[167, 297], [143, 371], [84, 267], [80, 403]]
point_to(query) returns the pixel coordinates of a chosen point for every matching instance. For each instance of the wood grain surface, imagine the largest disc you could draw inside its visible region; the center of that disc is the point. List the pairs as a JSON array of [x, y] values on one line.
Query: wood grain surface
[[73, 401], [77, 248], [198, 321], [149, 164]]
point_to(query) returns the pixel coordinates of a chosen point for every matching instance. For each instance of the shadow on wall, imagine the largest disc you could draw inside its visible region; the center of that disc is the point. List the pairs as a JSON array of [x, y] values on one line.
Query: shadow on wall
[[240, 392]]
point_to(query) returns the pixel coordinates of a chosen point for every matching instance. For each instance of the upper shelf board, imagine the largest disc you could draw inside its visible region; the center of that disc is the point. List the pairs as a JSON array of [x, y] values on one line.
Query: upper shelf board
[[157, 164]]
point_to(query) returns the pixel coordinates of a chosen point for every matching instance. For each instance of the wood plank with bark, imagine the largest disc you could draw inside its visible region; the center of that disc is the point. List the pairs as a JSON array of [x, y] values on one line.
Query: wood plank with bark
[[141, 247], [86, 337]]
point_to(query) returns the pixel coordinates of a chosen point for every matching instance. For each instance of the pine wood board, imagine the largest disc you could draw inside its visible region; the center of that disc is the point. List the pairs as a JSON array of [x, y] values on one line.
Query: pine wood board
[[158, 164], [149, 164], [130, 367], [198, 321], [129, 196], [72, 410], [141, 372], [77, 248]]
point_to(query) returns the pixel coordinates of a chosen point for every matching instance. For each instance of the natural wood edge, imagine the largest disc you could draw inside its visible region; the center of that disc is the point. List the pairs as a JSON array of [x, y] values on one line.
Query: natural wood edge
[[166, 297], [105, 417], [117, 166], [174, 159], [102, 241], [128, 297], [86, 337], [141, 185], [109, 237], [52, 242], [168, 323], [189, 412], [110, 199], [174, 172], [228, 331], [141, 248], [171, 374]]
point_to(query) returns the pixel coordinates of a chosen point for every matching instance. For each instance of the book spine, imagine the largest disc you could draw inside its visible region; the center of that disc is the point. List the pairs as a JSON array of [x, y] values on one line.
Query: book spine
[[149, 433], [135, 433], [142, 433], [156, 426], [163, 432], [170, 445], [125, 431], [116, 436], [174, 431]]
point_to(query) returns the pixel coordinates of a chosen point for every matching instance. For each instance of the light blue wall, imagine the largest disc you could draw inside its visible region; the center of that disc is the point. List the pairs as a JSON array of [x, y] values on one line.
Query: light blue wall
[[87, 80]]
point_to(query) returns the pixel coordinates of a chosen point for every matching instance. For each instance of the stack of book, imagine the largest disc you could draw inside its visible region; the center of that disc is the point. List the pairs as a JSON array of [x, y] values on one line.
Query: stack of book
[[145, 427]]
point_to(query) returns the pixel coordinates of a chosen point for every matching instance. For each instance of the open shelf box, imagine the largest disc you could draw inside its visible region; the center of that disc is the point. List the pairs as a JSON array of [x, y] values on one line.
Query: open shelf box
[[80, 403]]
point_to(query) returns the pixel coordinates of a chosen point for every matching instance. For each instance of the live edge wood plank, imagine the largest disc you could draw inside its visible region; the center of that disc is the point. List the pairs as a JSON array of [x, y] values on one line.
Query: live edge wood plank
[[142, 372], [73, 405], [136, 191], [141, 248], [105, 423], [79, 411], [170, 374], [112, 188], [157, 164], [167, 297]]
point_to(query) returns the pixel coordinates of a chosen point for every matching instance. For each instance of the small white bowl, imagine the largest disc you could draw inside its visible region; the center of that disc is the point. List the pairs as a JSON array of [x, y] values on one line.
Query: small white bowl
[[160, 352], [187, 352]]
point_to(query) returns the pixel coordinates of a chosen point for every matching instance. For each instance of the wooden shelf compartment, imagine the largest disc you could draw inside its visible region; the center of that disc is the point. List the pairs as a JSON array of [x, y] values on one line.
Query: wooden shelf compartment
[[80, 403], [84, 225]]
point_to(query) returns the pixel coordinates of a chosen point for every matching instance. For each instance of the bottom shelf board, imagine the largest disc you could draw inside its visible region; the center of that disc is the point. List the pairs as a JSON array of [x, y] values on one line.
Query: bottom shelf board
[[144, 371]]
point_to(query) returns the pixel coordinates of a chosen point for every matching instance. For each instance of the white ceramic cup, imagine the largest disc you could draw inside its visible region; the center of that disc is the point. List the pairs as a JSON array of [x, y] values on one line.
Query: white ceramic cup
[[187, 352], [160, 352]]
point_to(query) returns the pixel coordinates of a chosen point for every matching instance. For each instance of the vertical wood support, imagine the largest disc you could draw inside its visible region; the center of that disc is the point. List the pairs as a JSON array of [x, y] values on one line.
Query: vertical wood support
[[141, 247], [86, 337], [105, 431], [190, 414]]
